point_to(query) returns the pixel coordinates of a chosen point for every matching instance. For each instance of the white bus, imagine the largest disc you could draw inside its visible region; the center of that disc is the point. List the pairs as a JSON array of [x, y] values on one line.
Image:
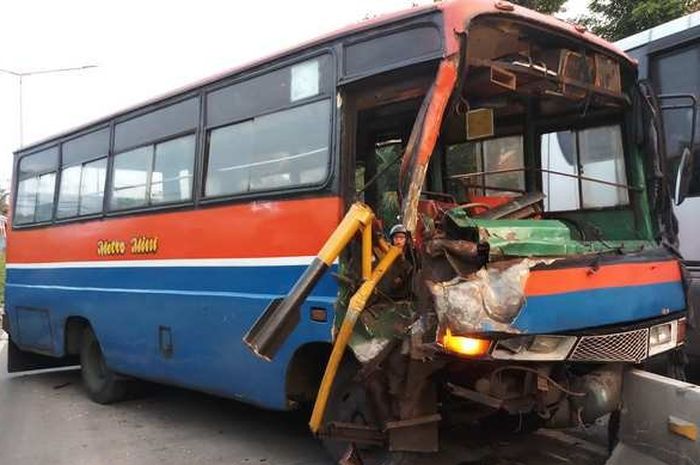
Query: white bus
[[669, 57]]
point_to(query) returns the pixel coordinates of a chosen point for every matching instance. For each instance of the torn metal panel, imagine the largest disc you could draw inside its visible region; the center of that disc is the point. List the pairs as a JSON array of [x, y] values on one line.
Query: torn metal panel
[[422, 141], [367, 350], [380, 324], [529, 237], [487, 301]]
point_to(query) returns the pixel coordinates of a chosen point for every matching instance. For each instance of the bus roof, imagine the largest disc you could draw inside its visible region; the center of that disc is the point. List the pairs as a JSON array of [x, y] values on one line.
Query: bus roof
[[659, 32], [456, 17]]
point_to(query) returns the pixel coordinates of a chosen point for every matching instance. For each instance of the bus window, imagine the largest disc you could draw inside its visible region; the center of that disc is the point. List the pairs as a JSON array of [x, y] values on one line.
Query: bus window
[[92, 185], [82, 189], [600, 156], [35, 191], [499, 154], [675, 72], [139, 181], [172, 171], [281, 150], [83, 174]]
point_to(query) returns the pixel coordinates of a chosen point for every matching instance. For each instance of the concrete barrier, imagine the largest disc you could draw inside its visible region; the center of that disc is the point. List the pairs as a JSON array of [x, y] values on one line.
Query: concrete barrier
[[659, 421]]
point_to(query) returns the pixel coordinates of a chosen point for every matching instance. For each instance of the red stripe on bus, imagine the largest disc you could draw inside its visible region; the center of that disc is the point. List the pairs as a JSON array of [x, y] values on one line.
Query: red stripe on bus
[[558, 281], [282, 228]]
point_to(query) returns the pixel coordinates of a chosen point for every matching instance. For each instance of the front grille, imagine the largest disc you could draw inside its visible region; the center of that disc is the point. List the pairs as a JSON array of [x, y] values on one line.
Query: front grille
[[630, 346]]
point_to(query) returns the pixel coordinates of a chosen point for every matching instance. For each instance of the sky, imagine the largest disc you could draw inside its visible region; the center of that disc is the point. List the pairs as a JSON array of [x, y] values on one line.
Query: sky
[[142, 49]]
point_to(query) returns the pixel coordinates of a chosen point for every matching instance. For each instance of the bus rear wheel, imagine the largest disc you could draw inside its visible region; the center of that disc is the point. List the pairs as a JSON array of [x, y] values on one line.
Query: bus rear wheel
[[102, 384]]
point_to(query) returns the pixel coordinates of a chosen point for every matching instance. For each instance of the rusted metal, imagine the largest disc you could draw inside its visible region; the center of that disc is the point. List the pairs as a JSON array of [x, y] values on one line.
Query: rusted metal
[[422, 141], [355, 308], [475, 396], [353, 432], [517, 207], [463, 249], [419, 434]]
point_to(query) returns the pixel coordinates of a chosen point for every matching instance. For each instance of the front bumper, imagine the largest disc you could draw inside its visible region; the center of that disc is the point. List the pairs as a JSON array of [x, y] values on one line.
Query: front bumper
[[628, 345]]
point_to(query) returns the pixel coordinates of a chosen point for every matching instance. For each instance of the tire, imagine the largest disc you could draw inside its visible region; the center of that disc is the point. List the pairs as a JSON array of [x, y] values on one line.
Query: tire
[[101, 384], [348, 403]]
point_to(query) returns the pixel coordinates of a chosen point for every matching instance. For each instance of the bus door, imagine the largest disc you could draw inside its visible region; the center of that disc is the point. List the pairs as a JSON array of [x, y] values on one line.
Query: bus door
[[378, 116]]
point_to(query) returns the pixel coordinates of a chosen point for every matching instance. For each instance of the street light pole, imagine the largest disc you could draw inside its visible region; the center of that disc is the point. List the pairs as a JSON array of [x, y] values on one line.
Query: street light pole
[[21, 75], [21, 113]]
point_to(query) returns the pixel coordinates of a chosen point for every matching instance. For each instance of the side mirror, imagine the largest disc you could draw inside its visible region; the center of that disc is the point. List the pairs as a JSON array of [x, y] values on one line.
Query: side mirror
[[683, 176]]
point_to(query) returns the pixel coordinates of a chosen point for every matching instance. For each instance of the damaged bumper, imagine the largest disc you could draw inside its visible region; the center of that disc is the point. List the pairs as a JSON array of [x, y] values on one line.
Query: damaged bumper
[[631, 346]]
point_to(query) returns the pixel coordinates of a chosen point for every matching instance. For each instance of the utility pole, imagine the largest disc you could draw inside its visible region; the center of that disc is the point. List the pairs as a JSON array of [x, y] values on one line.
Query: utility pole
[[21, 75]]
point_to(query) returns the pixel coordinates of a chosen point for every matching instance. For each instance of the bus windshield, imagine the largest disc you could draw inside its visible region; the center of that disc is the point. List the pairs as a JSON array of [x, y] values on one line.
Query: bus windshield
[[539, 131]]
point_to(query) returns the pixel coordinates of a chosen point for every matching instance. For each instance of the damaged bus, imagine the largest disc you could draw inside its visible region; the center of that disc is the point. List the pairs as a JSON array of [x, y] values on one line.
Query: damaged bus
[[230, 237]]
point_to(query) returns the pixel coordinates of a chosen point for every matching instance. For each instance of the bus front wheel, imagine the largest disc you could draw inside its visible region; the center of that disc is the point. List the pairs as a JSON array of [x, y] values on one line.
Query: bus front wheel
[[349, 403], [102, 384]]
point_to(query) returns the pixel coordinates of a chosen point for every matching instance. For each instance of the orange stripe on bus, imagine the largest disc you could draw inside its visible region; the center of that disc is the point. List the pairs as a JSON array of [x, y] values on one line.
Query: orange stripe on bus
[[558, 281], [271, 228]]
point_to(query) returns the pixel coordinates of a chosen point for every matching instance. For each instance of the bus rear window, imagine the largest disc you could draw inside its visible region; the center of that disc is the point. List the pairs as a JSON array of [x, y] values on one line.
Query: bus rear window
[[35, 190]]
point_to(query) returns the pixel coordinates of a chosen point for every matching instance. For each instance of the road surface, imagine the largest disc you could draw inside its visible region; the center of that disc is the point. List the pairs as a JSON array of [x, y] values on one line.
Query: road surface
[[45, 419]]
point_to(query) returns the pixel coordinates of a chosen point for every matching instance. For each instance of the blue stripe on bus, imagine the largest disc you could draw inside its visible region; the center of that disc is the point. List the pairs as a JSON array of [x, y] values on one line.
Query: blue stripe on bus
[[209, 309], [207, 326], [599, 307], [269, 280]]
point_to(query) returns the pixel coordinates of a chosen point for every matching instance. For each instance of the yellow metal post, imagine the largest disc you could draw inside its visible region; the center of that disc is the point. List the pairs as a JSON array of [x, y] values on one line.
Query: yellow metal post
[[359, 216], [281, 316], [367, 252], [355, 308]]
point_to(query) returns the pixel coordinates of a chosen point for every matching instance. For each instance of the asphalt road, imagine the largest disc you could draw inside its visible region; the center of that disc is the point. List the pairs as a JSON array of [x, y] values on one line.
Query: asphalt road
[[45, 419]]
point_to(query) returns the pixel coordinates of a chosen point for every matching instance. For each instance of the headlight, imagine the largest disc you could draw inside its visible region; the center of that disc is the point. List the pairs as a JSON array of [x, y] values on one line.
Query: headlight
[[546, 344], [542, 348], [664, 337], [659, 335]]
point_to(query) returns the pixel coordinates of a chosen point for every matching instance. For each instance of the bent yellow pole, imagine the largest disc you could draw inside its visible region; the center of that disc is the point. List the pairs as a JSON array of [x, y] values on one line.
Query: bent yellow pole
[[356, 306], [281, 316]]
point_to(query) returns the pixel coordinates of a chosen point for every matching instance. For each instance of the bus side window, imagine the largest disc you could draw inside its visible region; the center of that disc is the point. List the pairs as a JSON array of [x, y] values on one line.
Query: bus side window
[[154, 174], [285, 149], [36, 185]]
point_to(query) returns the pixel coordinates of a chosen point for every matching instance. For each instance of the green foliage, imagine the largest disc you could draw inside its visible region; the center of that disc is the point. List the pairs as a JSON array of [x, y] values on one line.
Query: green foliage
[[543, 6], [4, 198], [615, 19]]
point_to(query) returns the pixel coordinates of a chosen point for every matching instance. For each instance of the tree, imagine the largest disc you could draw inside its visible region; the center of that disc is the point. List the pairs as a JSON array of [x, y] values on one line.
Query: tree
[[615, 19], [543, 6], [4, 201]]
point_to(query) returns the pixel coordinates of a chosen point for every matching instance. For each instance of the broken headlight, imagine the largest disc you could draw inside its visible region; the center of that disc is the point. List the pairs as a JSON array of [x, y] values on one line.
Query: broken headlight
[[544, 347]]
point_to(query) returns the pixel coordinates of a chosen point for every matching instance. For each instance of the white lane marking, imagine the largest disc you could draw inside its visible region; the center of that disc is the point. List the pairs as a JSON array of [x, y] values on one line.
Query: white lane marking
[[176, 262]]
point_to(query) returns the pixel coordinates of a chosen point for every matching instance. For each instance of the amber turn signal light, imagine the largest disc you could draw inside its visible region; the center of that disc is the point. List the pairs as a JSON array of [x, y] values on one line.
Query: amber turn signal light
[[463, 345], [682, 325]]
